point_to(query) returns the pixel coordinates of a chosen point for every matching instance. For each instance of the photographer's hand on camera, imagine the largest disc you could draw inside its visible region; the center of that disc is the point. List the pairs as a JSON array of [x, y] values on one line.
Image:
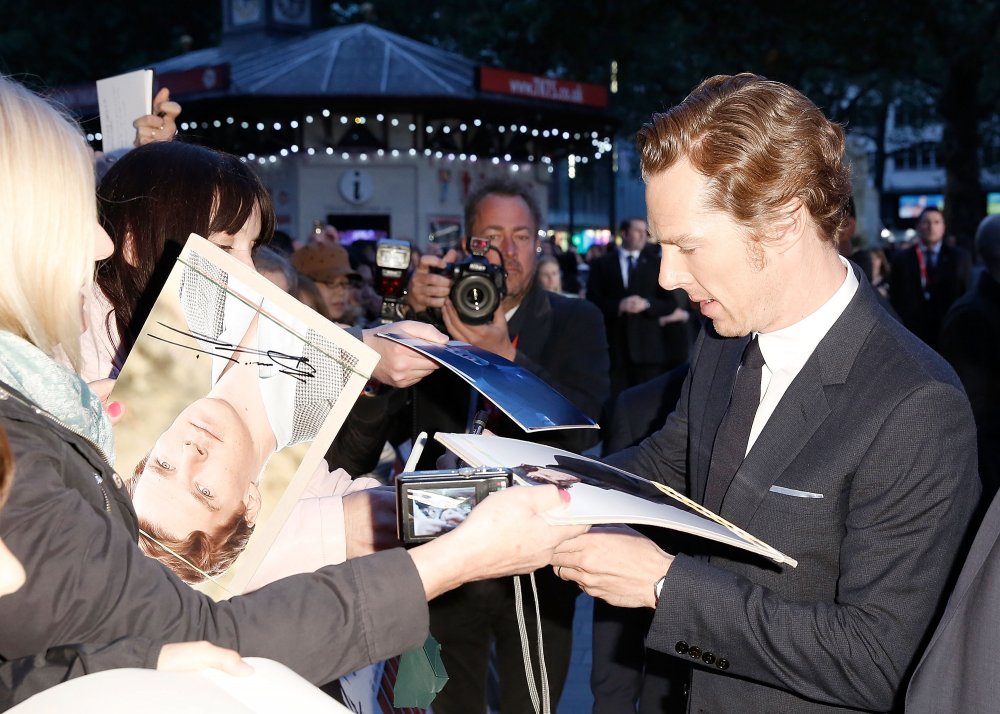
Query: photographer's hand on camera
[[492, 336], [475, 550], [400, 366], [429, 289]]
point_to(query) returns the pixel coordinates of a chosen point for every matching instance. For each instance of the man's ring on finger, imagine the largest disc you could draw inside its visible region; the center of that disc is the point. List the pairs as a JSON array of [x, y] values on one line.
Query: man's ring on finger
[[559, 571]]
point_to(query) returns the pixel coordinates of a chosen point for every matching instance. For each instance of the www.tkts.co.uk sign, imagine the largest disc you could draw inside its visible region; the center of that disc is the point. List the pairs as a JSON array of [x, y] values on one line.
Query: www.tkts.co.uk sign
[[534, 87]]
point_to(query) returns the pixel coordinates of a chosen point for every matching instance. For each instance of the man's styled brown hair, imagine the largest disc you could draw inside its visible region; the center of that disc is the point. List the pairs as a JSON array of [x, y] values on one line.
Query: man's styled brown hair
[[198, 555], [760, 144]]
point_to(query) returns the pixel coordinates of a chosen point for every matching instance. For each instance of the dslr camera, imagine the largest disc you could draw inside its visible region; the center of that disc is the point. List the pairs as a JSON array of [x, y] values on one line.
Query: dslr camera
[[429, 503], [477, 286]]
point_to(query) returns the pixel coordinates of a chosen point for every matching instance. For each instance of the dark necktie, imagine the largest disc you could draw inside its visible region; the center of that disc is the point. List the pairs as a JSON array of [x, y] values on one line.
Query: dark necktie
[[631, 269], [734, 433]]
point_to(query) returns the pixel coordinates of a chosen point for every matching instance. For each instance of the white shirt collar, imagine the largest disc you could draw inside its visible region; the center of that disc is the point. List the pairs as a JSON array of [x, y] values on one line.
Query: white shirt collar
[[790, 347]]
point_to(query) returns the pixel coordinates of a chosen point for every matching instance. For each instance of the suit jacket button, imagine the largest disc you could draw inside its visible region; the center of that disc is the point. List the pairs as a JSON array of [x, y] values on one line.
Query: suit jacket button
[[723, 663], [695, 652], [708, 658], [681, 647]]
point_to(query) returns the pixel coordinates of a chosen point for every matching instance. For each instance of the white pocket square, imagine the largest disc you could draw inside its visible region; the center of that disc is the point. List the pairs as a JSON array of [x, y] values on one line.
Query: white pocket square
[[795, 492]]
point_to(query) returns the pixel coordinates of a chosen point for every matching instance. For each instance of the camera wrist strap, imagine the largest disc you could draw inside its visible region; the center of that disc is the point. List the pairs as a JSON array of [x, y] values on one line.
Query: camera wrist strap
[[545, 703]]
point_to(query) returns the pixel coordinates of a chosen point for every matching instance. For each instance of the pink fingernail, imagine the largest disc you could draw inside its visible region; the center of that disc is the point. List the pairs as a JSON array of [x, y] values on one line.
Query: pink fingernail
[[115, 409], [564, 494]]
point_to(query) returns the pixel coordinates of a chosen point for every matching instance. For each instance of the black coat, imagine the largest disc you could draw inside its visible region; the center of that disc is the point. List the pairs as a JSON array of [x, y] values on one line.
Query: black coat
[[635, 338], [923, 311]]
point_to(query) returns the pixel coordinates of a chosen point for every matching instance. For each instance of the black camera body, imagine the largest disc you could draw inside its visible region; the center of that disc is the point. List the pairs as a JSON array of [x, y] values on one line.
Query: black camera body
[[430, 503], [477, 285]]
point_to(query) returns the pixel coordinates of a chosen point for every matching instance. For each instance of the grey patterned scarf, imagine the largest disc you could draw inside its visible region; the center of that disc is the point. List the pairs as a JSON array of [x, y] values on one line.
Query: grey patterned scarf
[[57, 390]]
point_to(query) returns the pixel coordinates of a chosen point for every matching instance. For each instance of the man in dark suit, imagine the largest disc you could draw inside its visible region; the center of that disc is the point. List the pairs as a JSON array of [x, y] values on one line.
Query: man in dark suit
[[561, 340], [624, 285], [928, 277], [809, 418]]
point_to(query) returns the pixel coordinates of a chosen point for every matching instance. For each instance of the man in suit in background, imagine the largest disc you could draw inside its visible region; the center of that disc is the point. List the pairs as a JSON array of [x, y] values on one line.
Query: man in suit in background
[[624, 285], [928, 277], [809, 418]]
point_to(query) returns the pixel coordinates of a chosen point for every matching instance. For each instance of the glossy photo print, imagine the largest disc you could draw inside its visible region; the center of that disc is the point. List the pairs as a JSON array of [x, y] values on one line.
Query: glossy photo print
[[233, 392]]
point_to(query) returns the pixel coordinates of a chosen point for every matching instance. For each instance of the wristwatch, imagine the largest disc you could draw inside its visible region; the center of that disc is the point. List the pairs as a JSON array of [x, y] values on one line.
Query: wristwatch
[[657, 589]]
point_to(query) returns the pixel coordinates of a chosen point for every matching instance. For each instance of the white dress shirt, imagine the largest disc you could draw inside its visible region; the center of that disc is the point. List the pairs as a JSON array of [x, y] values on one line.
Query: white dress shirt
[[786, 350]]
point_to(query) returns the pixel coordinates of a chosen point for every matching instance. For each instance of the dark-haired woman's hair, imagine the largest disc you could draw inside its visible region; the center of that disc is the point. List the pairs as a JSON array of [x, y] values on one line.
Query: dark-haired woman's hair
[[150, 201]]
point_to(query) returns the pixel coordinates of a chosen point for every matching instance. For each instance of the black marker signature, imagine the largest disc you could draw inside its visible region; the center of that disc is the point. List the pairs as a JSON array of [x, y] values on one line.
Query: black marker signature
[[298, 368]]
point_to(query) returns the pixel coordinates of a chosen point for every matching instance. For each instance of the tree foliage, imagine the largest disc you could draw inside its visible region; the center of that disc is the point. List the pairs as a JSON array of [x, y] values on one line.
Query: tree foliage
[[853, 59]]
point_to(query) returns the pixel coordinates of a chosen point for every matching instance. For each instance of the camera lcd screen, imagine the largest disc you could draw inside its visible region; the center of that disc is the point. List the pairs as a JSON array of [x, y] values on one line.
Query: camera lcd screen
[[431, 503], [432, 511]]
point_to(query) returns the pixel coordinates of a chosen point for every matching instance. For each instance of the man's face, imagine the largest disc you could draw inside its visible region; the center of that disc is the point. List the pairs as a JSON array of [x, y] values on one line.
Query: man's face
[[706, 254], [930, 228], [337, 295], [635, 237], [507, 222], [200, 472]]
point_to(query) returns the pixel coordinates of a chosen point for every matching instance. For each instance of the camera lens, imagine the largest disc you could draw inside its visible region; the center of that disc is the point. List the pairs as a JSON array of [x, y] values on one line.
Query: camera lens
[[475, 298]]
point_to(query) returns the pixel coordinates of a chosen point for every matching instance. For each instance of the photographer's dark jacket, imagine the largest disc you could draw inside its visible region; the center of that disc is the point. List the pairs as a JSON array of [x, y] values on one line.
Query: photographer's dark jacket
[[70, 523]]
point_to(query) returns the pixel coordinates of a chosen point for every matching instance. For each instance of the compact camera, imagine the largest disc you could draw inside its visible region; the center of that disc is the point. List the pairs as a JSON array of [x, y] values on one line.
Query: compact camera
[[429, 503], [477, 286], [392, 260]]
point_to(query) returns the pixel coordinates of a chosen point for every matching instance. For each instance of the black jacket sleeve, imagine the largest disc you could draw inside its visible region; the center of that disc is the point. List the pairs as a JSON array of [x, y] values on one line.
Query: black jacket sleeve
[[26, 676], [87, 581]]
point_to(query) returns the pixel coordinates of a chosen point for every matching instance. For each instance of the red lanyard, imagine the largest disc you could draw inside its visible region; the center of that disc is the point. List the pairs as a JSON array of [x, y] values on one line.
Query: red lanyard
[[922, 262]]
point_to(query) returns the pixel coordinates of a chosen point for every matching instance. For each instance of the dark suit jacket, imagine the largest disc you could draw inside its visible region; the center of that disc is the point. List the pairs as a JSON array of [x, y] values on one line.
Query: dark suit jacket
[[879, 425], [632, 338], [946, 283], [958, 672]]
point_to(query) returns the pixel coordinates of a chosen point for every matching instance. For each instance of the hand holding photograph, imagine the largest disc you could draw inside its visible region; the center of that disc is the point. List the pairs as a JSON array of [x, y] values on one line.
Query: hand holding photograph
[[521, 395], [233, 390]]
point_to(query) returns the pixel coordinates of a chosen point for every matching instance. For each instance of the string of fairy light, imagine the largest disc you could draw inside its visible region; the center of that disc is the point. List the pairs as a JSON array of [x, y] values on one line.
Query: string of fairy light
[[602, 146]]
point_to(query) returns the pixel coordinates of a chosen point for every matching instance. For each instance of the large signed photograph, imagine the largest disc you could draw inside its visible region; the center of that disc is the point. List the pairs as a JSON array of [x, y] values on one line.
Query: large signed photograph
[[233, 393]]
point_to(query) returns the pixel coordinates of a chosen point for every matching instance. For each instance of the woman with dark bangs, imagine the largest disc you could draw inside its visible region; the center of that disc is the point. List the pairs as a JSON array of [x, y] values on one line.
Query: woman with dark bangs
[[150, 201]]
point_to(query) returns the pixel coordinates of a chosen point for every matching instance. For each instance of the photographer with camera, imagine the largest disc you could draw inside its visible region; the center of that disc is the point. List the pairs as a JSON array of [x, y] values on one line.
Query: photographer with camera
[[558, 338]]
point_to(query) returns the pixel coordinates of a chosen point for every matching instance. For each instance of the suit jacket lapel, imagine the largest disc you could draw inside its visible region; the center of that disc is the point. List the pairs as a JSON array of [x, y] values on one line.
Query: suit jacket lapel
[[532, 322], [712, 409], [803, 407], [614, 266]]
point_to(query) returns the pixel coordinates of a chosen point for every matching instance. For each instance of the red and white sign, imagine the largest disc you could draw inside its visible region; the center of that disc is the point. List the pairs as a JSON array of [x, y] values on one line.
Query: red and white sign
[[535, 87]]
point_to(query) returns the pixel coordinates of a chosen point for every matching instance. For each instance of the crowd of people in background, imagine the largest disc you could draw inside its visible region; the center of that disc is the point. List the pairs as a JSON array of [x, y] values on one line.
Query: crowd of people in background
[[651, 334]]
